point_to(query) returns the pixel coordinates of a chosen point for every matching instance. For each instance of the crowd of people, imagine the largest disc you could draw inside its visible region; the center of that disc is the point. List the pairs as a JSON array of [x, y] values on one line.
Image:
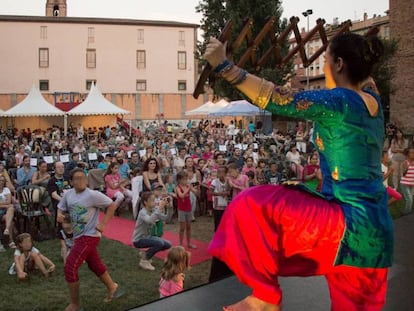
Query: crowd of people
[[163, 177], [203, 151]]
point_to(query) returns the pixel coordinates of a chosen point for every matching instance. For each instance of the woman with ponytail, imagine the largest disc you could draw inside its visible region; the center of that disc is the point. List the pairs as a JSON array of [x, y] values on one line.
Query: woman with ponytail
[[344, 232]]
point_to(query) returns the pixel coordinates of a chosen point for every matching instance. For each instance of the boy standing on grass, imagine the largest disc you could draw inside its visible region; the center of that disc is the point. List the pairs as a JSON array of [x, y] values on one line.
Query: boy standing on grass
[[83, 206]]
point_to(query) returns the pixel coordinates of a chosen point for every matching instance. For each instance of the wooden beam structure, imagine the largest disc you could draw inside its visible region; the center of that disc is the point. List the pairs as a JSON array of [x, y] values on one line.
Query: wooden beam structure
[[258, 62]]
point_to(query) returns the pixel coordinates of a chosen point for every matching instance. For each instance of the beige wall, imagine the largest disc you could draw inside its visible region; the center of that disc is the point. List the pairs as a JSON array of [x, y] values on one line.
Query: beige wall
[[116, 43]]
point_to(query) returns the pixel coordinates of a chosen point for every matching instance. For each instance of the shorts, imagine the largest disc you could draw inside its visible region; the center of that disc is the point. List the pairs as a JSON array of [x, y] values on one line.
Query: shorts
[[185, 216]]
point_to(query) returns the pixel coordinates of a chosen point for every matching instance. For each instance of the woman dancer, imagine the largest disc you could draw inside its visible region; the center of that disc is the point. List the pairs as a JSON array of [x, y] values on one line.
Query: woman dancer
[[351, 240]]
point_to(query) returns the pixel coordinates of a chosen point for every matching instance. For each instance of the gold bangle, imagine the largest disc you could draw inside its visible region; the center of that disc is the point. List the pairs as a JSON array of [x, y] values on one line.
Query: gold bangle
[[265, 92]]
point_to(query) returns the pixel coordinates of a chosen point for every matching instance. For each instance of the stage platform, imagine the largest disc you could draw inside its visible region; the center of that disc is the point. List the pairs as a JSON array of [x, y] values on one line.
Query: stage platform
[[304, 294]]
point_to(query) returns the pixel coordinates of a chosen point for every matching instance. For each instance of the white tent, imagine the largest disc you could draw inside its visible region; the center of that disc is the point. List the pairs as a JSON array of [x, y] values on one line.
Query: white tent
[[219, 105], [36, 111], [34, 105], [239, 108], [200, 111], [207, 108], [96, 104]]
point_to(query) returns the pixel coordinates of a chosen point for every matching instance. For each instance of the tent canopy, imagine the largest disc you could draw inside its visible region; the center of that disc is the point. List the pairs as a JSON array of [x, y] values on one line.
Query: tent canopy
[[239, 108], [34, 105], [96, 104], [202, 110], [207, 108]]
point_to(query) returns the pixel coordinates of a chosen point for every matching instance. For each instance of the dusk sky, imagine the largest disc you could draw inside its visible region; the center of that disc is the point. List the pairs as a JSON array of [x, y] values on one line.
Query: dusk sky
[[184, 10]]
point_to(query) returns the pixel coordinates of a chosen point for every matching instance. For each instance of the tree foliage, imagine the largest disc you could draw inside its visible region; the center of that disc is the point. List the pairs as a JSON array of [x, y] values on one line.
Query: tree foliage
[[215, 15], [384, 73]]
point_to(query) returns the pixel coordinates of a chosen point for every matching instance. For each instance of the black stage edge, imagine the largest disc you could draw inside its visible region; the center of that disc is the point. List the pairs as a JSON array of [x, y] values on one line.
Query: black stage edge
[[304, 294]]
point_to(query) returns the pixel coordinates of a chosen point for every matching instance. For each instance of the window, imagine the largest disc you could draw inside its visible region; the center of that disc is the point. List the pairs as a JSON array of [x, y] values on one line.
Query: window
[[89, 84], [140, 35], [182, 85], [141, 59], [386, 32], [90, 58], [43, 57], [182, 60], [44, 85], [181, 38], [91, 34], [43, 32], [141, 85]]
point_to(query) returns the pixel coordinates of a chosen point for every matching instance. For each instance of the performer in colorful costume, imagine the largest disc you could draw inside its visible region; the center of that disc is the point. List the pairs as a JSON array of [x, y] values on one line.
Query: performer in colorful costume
[[345, 232]]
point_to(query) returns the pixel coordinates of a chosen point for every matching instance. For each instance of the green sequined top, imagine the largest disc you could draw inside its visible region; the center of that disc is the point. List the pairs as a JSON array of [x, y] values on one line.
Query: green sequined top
[[350, 144]]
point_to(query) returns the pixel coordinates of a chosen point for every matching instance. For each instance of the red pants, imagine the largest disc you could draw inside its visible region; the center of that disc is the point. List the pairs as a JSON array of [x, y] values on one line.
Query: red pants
[[84, 249], [269, 231]]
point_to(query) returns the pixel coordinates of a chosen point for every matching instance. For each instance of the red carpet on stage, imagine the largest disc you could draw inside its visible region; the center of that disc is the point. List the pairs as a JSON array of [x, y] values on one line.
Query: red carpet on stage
[[121, 229]]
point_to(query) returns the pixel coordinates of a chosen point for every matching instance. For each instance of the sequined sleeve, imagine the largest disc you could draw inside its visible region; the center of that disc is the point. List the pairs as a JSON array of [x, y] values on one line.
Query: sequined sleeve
[[317, 105]]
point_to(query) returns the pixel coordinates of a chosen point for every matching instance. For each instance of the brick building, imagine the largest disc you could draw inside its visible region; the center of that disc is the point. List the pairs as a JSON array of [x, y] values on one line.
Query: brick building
[[402, 102]]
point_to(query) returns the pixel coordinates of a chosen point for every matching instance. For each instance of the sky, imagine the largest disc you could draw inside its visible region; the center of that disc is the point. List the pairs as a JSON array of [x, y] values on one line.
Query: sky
[[184, 10]]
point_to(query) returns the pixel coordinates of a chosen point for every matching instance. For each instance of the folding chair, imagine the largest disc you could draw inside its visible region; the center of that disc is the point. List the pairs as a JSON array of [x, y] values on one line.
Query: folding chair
[[30, 208]]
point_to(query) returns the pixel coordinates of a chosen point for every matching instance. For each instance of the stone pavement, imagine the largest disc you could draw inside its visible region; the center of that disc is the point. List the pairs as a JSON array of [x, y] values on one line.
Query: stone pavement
[[305, 294]]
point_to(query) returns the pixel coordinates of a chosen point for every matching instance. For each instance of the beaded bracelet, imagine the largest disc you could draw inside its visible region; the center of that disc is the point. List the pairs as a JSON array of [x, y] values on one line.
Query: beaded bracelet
[[223, 67], [241, 76]]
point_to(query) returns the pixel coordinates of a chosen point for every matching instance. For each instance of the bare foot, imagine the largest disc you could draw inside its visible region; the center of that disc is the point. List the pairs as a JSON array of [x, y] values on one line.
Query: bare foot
[[251, 303], [72, 307], [192, 246], [111, 292], [114, 293]]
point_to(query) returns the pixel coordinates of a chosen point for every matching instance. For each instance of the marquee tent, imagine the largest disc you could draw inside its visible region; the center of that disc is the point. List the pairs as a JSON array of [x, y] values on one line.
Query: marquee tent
[[207, 108], [239, 108], [34, 105], [200, 111], [36, 111], [96, 104]]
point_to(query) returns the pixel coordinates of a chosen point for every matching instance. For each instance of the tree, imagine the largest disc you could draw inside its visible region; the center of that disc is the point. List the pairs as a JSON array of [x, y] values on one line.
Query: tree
[[383, 75], [217, 12]]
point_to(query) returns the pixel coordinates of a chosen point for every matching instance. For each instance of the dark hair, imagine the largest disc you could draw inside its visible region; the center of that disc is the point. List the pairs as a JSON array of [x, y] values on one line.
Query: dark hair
[[146, 164], [233, 166], [110, 167], [181, 175], [74, 171], [145, 196], [359, 54], [40, 163], [250, 174]]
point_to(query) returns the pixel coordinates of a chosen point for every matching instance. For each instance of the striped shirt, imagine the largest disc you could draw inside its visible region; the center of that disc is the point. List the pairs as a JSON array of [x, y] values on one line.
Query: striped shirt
[[408, 177]]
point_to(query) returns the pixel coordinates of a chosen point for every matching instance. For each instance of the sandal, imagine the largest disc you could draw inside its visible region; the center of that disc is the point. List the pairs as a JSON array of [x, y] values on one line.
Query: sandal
[[12, 245], [192, 246], [117, 294]]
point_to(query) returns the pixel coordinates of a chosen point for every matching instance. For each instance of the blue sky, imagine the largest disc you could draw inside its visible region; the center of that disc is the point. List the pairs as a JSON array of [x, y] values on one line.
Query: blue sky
[[184, 10]]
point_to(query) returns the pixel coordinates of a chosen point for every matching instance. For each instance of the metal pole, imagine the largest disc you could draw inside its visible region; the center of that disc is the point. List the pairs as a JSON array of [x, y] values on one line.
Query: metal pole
[[307, 54], [307, 13]]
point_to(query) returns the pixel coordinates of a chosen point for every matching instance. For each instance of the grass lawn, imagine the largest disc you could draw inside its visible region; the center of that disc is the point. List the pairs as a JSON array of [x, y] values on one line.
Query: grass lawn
[[39, 293]]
